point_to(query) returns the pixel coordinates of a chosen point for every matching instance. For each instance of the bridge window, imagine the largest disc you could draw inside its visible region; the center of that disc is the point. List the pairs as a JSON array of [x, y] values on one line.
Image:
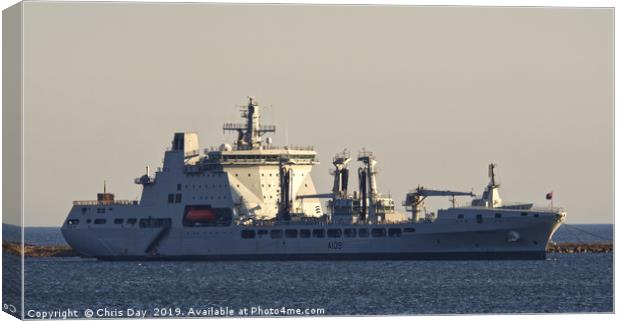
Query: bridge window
[[362, 232], [248, 234], [461, 216], [131, 221], [318, 233], [395, 232], [276, 234], [334, 232], [291, 234], [73, 222], [262, 233], [349, 232], [304, 234], [88, 221], [479, 218], [178, 187], [498, 215], [118, 221], [523, 213], [170, 198], [409, 230], [100, 221], [378, 232], [177, 198]]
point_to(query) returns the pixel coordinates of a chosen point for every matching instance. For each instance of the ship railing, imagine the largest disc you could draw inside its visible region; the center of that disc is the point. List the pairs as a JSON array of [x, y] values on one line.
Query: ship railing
[[263, 161], [531, 207], [553, 209], [105, 203], [234, 126], [317, 222], [264, 147], [524, 206], [239, 126]]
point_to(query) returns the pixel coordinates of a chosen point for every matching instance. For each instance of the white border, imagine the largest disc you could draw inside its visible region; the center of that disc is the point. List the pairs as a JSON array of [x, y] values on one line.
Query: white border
[[509, 3]]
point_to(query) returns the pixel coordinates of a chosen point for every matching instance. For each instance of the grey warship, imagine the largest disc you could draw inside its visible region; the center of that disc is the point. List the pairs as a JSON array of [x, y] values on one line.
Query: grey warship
[[252, 200]]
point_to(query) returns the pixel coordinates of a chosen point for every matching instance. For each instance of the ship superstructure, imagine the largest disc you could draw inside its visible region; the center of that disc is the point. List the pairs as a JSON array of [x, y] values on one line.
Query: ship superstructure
[[254, 200], [244, 178]]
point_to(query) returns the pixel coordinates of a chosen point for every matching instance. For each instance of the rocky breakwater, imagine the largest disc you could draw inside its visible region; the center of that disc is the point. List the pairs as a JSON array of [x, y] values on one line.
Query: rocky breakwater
[[571, 248], [30, 250]]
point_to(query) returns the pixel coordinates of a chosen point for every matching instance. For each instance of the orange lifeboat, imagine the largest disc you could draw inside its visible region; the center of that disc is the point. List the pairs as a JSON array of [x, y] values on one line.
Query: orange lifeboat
[[201, 214]]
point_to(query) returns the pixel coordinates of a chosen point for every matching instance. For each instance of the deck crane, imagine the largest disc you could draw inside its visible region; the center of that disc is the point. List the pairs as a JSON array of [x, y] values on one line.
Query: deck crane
[[414, 200]]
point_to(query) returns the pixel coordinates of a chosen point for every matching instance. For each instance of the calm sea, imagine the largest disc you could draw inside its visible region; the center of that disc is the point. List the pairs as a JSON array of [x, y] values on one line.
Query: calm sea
[[562, 283]]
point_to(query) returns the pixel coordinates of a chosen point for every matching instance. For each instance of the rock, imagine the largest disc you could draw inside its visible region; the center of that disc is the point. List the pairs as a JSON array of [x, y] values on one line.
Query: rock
[[580, 248], [38, 250]]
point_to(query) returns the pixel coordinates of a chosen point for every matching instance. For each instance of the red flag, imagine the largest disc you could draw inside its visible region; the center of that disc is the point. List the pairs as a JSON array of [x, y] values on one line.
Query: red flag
[[549, 196]]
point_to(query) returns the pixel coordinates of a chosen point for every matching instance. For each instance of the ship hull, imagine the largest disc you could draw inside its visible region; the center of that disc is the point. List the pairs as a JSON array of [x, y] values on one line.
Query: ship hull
[[507, 255], [514, 236]]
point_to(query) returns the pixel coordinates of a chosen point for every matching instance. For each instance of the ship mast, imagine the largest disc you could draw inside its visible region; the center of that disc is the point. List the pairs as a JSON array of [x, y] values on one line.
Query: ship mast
[[250, 134], [490, 196]]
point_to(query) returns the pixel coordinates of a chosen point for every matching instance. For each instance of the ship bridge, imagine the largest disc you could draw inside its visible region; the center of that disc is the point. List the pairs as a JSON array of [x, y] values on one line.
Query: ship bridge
[[246, 175], [265, 155]]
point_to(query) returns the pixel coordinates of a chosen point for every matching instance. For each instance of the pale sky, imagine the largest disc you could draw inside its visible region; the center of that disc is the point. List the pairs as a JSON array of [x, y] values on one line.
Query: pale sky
[[435, 92]]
